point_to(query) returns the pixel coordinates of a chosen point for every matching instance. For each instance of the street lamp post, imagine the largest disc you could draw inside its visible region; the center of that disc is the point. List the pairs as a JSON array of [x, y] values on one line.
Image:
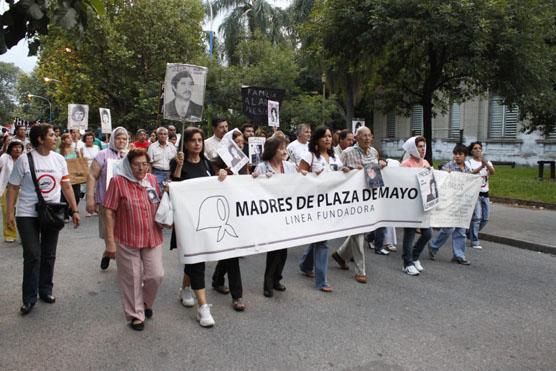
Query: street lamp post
[[49, 105]]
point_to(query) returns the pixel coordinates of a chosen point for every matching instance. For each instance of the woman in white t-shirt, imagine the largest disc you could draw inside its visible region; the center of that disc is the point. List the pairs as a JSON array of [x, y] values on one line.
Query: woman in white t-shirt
[[274, 162], [7, 161], [485, 169], [39, 244], [320, 158]]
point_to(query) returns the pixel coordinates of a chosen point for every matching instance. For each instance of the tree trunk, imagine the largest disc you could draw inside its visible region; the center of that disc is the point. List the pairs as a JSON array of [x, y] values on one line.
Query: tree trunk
[[427, 126], [349, 101]]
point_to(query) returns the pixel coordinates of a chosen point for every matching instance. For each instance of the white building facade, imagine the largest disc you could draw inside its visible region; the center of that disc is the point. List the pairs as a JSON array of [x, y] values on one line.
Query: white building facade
[[485, 119]]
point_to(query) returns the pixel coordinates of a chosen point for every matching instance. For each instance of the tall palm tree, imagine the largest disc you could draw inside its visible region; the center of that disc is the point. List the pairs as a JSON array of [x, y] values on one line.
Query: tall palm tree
[[245, 17]]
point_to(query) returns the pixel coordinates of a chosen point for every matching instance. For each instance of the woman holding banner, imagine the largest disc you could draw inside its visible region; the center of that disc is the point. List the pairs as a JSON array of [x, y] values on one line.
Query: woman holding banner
[[318, 159], [274, 162], [97, 185], [190, 164], [416, 147]]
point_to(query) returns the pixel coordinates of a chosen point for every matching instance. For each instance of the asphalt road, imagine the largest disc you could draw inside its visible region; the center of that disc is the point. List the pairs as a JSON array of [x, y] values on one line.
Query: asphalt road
[[497, 314]]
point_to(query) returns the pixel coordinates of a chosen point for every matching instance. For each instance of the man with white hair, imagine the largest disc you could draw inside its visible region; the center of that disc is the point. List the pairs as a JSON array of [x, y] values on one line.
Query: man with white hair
[[357, 157], [161, 153], [298, 147]]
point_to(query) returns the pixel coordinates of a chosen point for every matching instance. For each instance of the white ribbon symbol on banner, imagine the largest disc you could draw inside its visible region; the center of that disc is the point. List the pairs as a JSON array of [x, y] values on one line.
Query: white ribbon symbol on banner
[[207, 218]]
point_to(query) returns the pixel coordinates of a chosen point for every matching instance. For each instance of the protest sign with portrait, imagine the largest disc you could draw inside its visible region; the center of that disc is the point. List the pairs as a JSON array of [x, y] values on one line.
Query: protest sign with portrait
[[256, 145], [184, 92], [429, 189], [105, 120], [255, 102], [78, 116], [231, 154], [356, 123], [273, 113]]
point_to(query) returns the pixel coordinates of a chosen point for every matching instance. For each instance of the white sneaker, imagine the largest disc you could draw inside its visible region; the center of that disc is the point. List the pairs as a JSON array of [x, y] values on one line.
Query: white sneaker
[[391, 247], [411, 270], [478, 247], [204, 317], [418, 265], [187, 298]]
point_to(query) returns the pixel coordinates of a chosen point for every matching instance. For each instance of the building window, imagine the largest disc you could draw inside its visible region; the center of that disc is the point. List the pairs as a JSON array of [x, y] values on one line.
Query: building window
[[455, 120], [391, 125], [502, 119], [416, 124]]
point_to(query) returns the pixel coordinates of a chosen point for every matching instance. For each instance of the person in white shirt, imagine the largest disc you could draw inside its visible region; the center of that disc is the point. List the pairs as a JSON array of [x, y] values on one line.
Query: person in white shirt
[[220, 128], [161, 153], [77, 143], [485, 169], [345, 140], [298, 147], [172, 132]]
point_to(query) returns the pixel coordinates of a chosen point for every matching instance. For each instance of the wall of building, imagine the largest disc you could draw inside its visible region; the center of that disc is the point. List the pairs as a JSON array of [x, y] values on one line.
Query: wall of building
[[524, 149]]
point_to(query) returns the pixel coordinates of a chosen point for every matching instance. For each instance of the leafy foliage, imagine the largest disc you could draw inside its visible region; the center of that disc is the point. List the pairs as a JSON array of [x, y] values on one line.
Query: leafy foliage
[[9, 75]]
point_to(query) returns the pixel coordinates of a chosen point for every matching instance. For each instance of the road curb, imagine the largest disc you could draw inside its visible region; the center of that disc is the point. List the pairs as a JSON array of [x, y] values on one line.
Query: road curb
[[523, 203], [518, 243]]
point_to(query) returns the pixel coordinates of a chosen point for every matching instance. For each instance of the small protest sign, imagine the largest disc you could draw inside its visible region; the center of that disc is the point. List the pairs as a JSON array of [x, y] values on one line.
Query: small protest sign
[[429, 189], [256, 145], [105, 120], [78, 116], [273, 113], [373, 176], [231, 154], [356, 123]]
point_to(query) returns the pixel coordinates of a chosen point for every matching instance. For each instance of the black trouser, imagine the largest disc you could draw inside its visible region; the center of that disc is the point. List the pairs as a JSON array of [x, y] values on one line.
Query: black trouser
[[196, 273], [76, 192], [377, 238], [39, 255], [412, 252], [230, 266], [275, 261]]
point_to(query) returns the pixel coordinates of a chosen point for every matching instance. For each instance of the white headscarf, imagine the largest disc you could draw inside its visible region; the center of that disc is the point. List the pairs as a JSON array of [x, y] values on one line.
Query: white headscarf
[[411, 147], [112, 144], [123, 168]]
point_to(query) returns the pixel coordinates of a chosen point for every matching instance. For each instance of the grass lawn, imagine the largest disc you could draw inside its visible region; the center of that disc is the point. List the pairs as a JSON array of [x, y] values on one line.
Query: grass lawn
[[521, 183]]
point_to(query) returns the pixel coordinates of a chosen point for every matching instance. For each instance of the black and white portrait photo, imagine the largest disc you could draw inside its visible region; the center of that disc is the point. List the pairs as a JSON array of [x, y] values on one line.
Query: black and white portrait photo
[[273, 113], [231, 154], [356, 123], [429, 189], [105, 120], [256, 145], [184, 92], [373, 176], [78, 116]]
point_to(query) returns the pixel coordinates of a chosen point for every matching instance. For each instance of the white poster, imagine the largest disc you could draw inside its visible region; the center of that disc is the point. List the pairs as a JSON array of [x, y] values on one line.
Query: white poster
[[184, 92], [429, 188], [356, 123], [273, 113], [78, 116], [244, 215], [105, 120], [231, 154], [455, 211], [256, 145], [111, 169]]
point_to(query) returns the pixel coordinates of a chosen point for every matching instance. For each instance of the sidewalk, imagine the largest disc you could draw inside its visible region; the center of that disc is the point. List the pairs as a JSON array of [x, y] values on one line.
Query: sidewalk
[[525, 228]]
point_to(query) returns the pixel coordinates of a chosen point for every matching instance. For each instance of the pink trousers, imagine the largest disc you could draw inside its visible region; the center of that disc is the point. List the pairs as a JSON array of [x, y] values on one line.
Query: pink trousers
[[140, 274]]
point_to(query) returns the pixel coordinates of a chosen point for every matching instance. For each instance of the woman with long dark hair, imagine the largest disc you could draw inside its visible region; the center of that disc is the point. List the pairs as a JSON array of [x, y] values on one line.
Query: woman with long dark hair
[[190, 164], [319, 159]]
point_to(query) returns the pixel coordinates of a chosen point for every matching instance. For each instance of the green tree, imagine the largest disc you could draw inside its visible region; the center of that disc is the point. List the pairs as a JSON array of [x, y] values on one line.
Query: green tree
[[31, 18], [245, 18], [9, 74], [433, 52], [120, 61]]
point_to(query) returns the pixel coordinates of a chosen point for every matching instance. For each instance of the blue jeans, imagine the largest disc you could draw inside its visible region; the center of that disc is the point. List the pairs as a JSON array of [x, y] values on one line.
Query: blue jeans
[[377, 238], [458, 241], [316, 255], [411, 252], [479, 219]]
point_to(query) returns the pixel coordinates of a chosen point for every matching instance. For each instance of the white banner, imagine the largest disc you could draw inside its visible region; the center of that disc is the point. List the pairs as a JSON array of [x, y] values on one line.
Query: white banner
[[243, 216]]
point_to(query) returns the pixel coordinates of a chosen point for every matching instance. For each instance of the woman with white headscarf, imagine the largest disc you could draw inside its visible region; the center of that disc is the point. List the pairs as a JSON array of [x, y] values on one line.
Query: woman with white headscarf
[[131, 202], [97, 184], [416, 147]]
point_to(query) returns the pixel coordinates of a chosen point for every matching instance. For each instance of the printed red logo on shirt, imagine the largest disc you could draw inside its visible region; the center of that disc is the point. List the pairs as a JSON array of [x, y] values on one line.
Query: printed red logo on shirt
[[46, 183]]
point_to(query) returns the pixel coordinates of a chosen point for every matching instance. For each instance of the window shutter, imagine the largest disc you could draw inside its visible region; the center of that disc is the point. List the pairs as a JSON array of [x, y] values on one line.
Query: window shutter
[[416, 124], [391, 125], [502, 120], [455, 120], [511, 117]]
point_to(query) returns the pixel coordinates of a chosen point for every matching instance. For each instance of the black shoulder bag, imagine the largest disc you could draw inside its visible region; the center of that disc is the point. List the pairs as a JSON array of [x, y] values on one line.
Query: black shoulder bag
[[51, 214]]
